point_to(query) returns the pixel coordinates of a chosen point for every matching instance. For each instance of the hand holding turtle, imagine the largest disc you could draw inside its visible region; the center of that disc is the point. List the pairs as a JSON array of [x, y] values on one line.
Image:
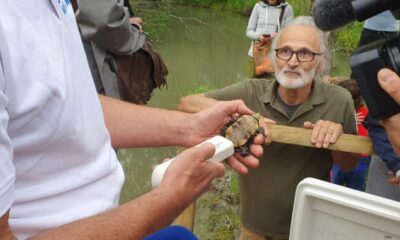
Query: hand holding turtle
[[324, 132], [246, 133], [210, 121]]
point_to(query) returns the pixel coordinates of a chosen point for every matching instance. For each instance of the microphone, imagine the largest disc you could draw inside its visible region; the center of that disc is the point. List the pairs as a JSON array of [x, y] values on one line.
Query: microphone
[[331, 14]]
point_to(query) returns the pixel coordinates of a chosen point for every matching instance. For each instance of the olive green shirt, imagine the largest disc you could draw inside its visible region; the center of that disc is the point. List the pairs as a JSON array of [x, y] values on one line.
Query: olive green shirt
[[267, 193]]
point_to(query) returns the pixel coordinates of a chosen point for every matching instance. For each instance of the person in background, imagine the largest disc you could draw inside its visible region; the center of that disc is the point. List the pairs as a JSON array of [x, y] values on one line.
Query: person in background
[[266, 19], [60, 177], [354, 179], [297, 97], [107, 28]]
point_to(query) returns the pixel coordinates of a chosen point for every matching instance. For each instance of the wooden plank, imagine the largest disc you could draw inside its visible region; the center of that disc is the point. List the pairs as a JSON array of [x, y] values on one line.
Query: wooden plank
[[302, 136], [186, 218]]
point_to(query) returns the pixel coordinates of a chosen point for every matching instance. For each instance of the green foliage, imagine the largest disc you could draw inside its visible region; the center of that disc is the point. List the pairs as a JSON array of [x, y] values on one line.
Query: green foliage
[[201, 89], [346, 38], [218, 211], [301, 7]]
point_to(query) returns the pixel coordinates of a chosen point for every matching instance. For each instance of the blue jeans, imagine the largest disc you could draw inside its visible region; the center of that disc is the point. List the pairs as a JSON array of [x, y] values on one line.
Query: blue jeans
[[354, 179]]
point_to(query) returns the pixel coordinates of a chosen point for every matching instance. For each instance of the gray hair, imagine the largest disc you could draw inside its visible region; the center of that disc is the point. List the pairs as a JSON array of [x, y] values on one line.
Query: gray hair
[[325, 47]]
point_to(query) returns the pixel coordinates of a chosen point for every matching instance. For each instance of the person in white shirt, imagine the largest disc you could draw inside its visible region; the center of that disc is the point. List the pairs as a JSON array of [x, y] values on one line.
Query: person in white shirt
[[59, 175]]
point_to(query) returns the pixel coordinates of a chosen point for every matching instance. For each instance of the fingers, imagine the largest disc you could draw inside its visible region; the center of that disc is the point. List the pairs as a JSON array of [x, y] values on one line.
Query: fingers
[[256, 150], [308, 125], [237, 106], [240, 164], [390, 82], [206, 151], [267, 133], [266, 121], [324, 133], [261, 140]]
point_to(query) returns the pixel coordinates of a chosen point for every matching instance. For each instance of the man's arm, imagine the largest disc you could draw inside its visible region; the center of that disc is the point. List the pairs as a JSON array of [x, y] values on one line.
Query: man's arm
[[133, 125], [5, 231], [195, 103], [187, 178]]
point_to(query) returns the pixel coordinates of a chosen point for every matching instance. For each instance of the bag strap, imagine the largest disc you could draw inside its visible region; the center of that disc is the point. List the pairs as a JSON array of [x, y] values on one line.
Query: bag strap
[[282, 12]]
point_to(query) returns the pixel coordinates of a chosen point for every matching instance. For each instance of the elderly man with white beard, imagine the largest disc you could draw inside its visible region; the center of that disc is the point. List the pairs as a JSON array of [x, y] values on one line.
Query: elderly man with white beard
[[297, 98]]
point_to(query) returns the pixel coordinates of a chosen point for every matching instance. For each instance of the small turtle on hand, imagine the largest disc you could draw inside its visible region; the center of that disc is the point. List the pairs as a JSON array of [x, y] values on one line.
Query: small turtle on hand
[[242, 130]]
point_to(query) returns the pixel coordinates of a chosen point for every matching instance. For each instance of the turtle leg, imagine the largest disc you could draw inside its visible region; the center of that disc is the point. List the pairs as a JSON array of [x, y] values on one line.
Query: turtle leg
[[244, 151]]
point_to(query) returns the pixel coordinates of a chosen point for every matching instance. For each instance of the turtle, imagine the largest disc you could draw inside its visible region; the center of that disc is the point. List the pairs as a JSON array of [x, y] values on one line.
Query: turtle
[[242, 130]]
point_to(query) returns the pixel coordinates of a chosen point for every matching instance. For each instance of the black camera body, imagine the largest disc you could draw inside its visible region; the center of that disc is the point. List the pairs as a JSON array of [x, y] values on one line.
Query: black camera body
[[365, 63]]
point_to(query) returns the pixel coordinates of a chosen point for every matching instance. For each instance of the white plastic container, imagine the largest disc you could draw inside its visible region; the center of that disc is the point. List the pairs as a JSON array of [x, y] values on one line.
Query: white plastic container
[[326, 211]]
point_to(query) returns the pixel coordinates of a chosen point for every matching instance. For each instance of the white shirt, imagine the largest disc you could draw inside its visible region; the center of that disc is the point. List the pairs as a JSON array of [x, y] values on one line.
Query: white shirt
[[57, 163]]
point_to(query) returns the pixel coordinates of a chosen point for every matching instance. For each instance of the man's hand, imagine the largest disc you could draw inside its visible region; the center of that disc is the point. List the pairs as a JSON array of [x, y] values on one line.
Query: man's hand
[[208, 123], [324, 132], [191, 171], [390, 82], [136, 21]]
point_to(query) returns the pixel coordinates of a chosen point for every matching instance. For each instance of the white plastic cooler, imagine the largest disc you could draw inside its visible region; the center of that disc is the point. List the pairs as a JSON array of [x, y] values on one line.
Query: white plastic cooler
[[325, 211]]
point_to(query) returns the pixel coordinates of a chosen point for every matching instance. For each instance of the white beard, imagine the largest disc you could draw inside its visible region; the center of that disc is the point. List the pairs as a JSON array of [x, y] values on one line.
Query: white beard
[[298, 82]]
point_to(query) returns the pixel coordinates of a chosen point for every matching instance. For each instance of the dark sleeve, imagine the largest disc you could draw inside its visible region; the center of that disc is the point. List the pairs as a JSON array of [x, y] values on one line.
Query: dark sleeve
[[382, 146], [106, 23]]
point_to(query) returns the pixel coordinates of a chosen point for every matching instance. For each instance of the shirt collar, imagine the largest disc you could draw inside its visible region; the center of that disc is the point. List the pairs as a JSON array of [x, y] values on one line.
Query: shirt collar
[[317, 92]]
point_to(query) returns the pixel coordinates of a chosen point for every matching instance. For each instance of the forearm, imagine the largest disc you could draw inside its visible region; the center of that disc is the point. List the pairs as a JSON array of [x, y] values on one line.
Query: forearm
[[133, 125], [195, 103], [133, 220], [345, 160]]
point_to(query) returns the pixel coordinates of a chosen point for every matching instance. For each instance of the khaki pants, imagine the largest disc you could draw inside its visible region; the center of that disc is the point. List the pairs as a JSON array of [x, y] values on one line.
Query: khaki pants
[[247, 234]]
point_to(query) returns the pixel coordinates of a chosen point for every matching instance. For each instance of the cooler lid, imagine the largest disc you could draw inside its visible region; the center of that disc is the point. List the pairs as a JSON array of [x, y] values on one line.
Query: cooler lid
[[326, 211]]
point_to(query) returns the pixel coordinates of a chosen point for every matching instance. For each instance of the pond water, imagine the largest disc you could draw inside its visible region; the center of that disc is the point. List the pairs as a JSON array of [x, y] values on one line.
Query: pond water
[[203, 49]]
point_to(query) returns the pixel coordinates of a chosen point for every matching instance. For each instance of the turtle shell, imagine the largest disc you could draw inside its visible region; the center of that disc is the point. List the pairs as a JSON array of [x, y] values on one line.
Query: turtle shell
[[243, 129]]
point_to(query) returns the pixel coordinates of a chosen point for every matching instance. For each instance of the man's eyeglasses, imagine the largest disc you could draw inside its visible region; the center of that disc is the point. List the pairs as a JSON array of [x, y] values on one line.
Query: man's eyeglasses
[[302, 55]]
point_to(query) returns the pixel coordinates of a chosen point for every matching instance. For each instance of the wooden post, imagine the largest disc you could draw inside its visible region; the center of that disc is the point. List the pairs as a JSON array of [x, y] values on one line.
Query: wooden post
[[186, 218]]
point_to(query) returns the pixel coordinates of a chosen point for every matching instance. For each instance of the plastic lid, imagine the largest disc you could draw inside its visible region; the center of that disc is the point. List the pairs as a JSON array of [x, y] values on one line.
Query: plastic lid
[[325, 211]]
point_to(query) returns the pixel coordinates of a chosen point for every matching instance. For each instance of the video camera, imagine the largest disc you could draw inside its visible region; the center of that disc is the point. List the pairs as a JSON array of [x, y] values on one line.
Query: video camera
[[367, 60]]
